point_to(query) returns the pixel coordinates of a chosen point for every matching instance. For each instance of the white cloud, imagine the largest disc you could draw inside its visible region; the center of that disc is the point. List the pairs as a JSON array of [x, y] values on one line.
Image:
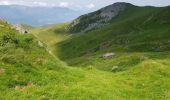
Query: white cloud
[[40, 3], [4, 3], [63, 4], [91, 5]]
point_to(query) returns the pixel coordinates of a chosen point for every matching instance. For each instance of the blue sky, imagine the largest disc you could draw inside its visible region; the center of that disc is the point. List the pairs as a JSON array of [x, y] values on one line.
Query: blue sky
[[82, 4]]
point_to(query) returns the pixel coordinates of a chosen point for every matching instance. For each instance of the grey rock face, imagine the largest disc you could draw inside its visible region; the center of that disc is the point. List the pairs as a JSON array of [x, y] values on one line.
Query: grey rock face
[[99, 18], [113, 10]]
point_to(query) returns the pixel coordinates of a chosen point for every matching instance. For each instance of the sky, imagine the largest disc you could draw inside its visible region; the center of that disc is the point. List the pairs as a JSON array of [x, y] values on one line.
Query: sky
[[82, 4]]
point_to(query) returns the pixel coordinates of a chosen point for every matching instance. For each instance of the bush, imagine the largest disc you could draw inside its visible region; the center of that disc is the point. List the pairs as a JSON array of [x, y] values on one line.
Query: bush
[[8, 38], [25, 41]]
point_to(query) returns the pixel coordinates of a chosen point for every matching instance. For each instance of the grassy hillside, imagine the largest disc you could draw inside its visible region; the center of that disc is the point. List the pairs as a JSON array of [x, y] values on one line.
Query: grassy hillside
[[27, 72], [138, 37], [137, 33], [96, 19], [51, 35]]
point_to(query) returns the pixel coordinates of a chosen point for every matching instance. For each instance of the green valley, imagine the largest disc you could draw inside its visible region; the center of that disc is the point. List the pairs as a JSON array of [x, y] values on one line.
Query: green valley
[[67, 61]]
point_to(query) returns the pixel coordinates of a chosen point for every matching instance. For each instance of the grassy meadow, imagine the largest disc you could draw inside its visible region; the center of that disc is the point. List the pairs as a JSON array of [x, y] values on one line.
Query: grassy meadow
[[75, 70]]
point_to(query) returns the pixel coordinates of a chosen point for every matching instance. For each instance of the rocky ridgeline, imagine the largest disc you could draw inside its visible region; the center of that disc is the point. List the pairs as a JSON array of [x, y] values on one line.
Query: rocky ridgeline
[[97, 19], [111, 11], [17, 27]]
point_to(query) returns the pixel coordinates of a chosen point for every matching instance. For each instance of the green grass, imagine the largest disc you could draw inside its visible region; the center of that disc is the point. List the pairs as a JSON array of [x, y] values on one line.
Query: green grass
[[135, 32], [29, 72], [51, 35], [148, 80], [140, 82], [139, 38]]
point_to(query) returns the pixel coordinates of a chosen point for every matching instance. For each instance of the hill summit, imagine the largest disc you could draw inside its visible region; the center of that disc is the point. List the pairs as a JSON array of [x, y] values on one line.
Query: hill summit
[[92, 20]]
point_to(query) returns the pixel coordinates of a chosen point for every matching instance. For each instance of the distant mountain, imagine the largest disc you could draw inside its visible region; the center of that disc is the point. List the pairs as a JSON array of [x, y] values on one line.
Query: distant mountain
[[98, 18], [37, 16], [116, 28]]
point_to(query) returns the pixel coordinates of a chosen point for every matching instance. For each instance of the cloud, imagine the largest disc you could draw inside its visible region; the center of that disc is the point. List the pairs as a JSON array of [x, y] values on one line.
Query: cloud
[[4, 3], [84, 4], [35, 3], [40, 3], [91, 5], [63, 4]]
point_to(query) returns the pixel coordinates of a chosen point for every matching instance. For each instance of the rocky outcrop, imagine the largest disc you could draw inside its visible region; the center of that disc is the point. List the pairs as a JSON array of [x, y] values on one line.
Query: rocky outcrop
[[97, 19], [19, 28], [111, 11]]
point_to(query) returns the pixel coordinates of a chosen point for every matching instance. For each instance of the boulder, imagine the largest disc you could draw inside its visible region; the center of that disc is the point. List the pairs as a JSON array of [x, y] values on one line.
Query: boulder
[[108, 55]]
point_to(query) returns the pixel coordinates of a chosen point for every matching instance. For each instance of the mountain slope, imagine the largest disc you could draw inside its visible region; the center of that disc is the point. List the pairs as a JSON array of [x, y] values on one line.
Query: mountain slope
[[139, 70], [37, 16], [98, 18], [51, 35], [27, 72], [135, 33]]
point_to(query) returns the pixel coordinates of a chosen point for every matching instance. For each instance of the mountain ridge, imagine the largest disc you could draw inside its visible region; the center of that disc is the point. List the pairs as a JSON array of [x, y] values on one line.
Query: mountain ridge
[[37, 16], [98, 18], [132, 30]]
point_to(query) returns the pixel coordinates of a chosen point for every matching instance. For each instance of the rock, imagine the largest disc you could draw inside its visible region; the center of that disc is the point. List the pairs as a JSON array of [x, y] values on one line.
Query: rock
[[108, 55], [97, 19], [114, 68], [19, 28], [113, 10]]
